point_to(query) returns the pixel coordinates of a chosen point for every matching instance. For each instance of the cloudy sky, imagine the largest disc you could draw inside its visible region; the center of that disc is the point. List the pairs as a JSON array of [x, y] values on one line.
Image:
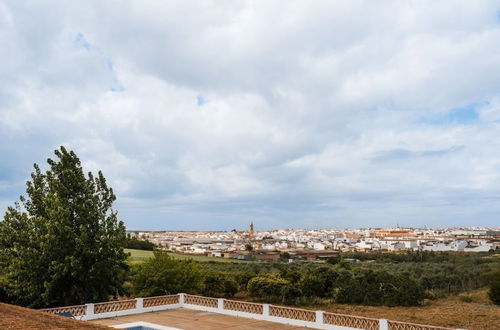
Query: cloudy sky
[[304, 114]]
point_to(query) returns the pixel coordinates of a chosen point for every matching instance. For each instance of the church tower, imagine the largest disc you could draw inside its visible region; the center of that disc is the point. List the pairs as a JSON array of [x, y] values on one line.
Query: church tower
[[250, 231]]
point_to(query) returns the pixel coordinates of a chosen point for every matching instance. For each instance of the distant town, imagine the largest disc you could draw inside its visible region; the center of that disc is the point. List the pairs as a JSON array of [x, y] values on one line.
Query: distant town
[[321, 243]]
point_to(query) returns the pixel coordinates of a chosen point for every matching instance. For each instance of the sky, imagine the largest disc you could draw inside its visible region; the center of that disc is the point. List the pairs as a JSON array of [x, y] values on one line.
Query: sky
[[207, 115]]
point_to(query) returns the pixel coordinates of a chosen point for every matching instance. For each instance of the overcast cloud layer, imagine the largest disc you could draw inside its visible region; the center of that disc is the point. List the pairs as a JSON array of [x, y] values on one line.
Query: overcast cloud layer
[[210, 114]]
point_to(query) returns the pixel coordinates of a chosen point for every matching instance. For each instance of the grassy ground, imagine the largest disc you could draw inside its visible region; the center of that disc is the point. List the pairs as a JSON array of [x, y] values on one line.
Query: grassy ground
[[448, 312], [138, 255], [141, 255]]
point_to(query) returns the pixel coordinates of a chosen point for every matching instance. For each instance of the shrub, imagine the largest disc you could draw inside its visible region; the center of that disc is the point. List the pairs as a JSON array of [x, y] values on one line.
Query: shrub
[[291, 295], [137, 244], [334, 260], [291, 275], [465, 298], [242, 279], [270, 288], [312, 286], [4, 296], [434, 294], [162, 274], [378, 288], [219, 284], [494, 291]]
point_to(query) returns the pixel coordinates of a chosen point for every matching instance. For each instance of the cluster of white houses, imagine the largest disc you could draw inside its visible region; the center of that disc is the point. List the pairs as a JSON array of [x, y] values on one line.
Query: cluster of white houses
[[322, 243]]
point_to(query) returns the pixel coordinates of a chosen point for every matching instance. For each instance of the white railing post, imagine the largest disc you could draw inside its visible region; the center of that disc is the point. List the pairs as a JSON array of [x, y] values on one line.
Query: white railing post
[[139, 303], [319, 317], [265, 309], [220, 304], [383, 324], [89, 309], [182, 299]]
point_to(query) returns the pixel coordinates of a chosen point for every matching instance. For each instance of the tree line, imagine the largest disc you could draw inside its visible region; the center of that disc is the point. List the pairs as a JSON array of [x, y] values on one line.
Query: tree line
[[305, 283], [162, 274], [132, 242]]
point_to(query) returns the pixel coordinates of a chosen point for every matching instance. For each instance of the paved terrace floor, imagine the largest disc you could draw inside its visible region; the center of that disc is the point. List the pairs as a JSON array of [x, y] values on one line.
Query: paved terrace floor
[[188, 319]]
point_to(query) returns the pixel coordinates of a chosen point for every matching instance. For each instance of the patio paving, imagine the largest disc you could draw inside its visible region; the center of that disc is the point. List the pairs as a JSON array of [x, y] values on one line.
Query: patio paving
[[188, 319]]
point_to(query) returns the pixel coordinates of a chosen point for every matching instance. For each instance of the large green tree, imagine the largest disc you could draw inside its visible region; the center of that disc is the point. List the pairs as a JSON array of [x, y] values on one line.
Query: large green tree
[[62, 244]]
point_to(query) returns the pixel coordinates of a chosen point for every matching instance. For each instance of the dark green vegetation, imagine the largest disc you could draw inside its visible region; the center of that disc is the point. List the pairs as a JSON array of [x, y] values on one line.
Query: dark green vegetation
[[62, 244], [381, 279], [494, 290], [162, 275], [438, 273], [138, 244]]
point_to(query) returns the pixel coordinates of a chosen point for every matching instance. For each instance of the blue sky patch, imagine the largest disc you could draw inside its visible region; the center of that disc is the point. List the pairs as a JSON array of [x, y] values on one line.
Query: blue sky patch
[[81, 41], [394, 154], [200, 100], [459, 116]]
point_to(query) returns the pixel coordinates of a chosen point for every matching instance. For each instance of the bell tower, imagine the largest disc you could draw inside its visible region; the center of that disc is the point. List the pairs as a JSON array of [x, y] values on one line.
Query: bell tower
[[250, 231]]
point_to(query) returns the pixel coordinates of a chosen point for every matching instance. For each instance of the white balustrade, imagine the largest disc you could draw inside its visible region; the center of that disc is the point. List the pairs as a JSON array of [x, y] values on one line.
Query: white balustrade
[[266, 312]]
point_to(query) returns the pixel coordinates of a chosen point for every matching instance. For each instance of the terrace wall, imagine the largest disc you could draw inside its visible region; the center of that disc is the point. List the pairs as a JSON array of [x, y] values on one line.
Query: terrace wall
[[265, 312]]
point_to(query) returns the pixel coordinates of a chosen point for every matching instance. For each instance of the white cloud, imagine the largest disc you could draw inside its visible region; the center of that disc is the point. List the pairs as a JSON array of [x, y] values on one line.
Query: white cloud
[[313, 113]]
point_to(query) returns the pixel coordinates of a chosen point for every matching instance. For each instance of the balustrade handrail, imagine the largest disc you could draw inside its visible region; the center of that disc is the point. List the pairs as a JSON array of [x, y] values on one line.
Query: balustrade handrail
[[114, 302], [163, 296], [198, 296], [294, 308], [356, 316], [423, 326], [245, 302], [65, 307]]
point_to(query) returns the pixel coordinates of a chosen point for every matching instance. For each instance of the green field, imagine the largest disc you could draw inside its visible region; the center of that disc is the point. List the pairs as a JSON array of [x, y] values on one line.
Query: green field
[[137, 256]]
